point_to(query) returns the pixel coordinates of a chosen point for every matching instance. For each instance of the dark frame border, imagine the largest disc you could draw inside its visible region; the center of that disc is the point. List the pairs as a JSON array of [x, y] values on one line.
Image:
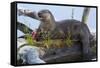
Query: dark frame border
[[14, 31]]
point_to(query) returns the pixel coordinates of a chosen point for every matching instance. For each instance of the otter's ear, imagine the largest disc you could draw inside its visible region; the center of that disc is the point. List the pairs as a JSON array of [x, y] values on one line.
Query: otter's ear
[[28, 13]]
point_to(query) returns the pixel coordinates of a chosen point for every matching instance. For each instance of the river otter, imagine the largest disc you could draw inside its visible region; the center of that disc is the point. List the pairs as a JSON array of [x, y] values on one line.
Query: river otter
[[78, 30], [48, 24]]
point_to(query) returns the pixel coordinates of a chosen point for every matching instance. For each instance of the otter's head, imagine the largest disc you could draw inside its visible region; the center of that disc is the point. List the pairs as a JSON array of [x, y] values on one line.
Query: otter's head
[[45, 15]]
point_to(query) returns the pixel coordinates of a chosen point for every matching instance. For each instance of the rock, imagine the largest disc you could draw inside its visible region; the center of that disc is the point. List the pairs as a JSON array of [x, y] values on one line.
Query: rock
[[28, 54]]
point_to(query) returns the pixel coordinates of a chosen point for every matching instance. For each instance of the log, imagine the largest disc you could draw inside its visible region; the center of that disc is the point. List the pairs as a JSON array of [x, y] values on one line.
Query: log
[[64, 57], [22, 28], [85, 15], [31, 14], [65, 54]]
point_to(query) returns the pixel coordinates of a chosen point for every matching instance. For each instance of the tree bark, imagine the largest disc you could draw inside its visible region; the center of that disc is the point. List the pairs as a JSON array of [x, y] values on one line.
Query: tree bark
[[85, 15]]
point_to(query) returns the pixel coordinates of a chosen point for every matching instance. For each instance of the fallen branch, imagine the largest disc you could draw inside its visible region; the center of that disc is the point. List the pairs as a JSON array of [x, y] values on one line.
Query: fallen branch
[[22, 28]]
